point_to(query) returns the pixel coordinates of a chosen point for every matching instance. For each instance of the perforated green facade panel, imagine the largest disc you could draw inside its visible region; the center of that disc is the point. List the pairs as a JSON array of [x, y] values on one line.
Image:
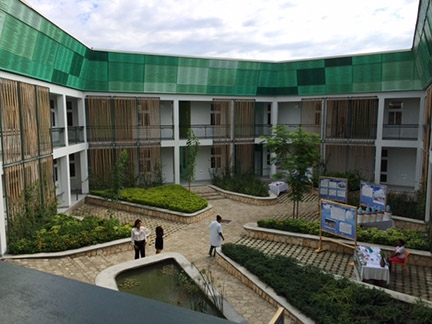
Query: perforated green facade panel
[[32, 46]]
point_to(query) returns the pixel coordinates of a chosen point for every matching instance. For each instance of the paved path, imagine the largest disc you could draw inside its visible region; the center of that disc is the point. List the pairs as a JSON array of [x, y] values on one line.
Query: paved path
[[192, 241]]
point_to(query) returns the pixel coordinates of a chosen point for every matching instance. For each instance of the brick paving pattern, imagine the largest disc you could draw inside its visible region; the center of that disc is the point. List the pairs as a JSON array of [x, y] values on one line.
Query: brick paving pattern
[[192, 241]]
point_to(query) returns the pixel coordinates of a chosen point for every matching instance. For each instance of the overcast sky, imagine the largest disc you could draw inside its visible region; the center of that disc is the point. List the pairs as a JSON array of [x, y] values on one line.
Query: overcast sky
[[266, 30]]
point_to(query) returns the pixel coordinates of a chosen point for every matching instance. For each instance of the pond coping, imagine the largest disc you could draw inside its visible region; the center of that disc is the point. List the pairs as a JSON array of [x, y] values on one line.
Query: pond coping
[[107, 278], [248, 199]]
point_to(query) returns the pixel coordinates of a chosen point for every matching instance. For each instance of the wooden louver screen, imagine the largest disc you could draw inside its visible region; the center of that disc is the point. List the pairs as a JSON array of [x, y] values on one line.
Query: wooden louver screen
[[244, 118]]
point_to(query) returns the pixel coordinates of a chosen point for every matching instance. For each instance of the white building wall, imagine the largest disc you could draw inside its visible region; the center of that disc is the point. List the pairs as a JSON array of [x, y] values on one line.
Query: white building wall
[[401, 166]]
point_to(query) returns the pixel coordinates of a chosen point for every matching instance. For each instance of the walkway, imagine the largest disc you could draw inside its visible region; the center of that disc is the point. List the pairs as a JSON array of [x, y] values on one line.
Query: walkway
[[192, 241]]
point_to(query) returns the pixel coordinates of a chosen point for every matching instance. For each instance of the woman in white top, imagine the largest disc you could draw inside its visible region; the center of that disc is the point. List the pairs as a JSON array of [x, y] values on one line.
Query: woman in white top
[[139, 235]]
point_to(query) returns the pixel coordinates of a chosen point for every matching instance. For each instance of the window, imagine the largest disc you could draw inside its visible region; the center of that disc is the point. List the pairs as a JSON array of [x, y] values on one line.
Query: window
[[269, 121], [214, 116], [69, 113], [145, 161], [143, 116], [318, 113], [53, 113], [383, 173], [395, 113], [216, 157]]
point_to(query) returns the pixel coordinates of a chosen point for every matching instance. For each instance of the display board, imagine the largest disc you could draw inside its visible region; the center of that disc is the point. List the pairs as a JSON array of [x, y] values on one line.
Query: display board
[[333, 189], [373, 195], [338, 219]]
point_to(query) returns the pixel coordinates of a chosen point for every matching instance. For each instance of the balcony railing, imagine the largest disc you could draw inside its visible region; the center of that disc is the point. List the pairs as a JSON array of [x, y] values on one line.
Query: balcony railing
[[400, 132], [75, 134], [58, 136]]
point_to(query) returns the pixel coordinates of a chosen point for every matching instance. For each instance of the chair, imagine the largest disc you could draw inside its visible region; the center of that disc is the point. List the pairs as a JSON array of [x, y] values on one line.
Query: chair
[[404, 264]]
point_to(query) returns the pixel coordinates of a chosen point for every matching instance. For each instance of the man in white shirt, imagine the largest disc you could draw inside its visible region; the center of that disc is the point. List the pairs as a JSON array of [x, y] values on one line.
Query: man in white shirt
[[216, 236]]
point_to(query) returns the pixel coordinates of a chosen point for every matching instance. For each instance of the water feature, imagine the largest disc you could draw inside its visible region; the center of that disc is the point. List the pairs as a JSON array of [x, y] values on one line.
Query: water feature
[[165, 281], [177, 273]]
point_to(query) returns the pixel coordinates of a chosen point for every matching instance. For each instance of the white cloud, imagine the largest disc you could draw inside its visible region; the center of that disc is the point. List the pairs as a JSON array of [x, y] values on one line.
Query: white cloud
[[275, 30]]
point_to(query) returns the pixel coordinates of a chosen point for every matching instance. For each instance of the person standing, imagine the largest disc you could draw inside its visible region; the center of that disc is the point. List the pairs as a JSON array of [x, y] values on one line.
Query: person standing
[[216, 236], [139, 235], [159, 239]]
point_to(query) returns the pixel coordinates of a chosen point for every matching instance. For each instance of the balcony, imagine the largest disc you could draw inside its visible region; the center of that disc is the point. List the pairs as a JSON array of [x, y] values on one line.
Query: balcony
[[75, 134], [58, 137], [400, 132]]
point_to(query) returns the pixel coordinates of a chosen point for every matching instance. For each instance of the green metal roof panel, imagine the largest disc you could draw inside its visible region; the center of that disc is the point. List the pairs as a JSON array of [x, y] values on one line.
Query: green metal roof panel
[[287, 78], [192, 75], [191, 89], [126, 71], [126, 58], [118, 86], [160, 74], [367, 59], [338, 61], [311, 77], [247, 78], [161, 60], [98, 70], [394, 71], [45, 50], [367, 73], [312, 90], [221, 77], [194, 62], [245, 65], [31, 45], [339, 75], [267, 79], [309, 64], [367, 87], [223, 64], [63, 59], [160, 87], [339, 88]]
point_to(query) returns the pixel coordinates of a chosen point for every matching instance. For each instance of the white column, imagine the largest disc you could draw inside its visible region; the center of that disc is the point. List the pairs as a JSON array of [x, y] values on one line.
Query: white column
[[274, 120], [64, 179], [84, 172], [378, 141], [176, 142]]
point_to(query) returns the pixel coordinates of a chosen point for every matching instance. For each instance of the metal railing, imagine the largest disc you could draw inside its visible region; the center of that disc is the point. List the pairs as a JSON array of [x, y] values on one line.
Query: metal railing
[[58, 136], [400, 132], [75, 134]]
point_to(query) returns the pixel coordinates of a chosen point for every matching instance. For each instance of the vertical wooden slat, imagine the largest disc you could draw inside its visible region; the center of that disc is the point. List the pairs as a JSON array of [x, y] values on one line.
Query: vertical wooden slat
[[10, 121]]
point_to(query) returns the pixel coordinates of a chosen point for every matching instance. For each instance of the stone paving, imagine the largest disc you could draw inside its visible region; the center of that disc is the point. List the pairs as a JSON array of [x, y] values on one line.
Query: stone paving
[[192, 241]]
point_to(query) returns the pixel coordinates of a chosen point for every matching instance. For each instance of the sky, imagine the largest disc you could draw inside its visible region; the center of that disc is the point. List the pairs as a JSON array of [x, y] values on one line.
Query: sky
[[263, 30]]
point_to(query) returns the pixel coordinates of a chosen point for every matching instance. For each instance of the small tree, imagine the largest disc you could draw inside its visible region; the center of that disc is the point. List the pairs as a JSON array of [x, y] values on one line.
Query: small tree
[[118, 176], [191, 155], [296, 152]]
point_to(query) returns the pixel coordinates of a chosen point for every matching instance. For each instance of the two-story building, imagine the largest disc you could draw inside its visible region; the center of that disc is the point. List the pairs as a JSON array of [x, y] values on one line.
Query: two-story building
[[67, 111]]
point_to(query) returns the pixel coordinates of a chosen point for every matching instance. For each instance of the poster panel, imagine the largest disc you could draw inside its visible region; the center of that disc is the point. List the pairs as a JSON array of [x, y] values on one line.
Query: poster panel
[[333, 189], [339, 219], [373, 195]]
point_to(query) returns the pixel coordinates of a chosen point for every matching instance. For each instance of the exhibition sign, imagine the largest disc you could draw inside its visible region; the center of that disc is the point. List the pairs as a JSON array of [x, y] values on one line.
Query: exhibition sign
[[373, 195], [333, 189], [339, 219]]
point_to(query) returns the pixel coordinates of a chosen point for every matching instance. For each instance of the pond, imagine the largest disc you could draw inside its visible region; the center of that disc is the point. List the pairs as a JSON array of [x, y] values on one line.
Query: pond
[[165, 281], [166, 277]]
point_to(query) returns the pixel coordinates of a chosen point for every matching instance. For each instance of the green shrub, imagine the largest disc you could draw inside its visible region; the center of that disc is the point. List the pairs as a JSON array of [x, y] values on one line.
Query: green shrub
[[171, 197], [320, 296], [64, 232], [245, 183], [414, 239]]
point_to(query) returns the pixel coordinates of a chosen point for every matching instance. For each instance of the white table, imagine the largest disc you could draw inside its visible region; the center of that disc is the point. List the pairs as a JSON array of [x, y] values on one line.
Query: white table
[[367, 265], [277, 187]]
